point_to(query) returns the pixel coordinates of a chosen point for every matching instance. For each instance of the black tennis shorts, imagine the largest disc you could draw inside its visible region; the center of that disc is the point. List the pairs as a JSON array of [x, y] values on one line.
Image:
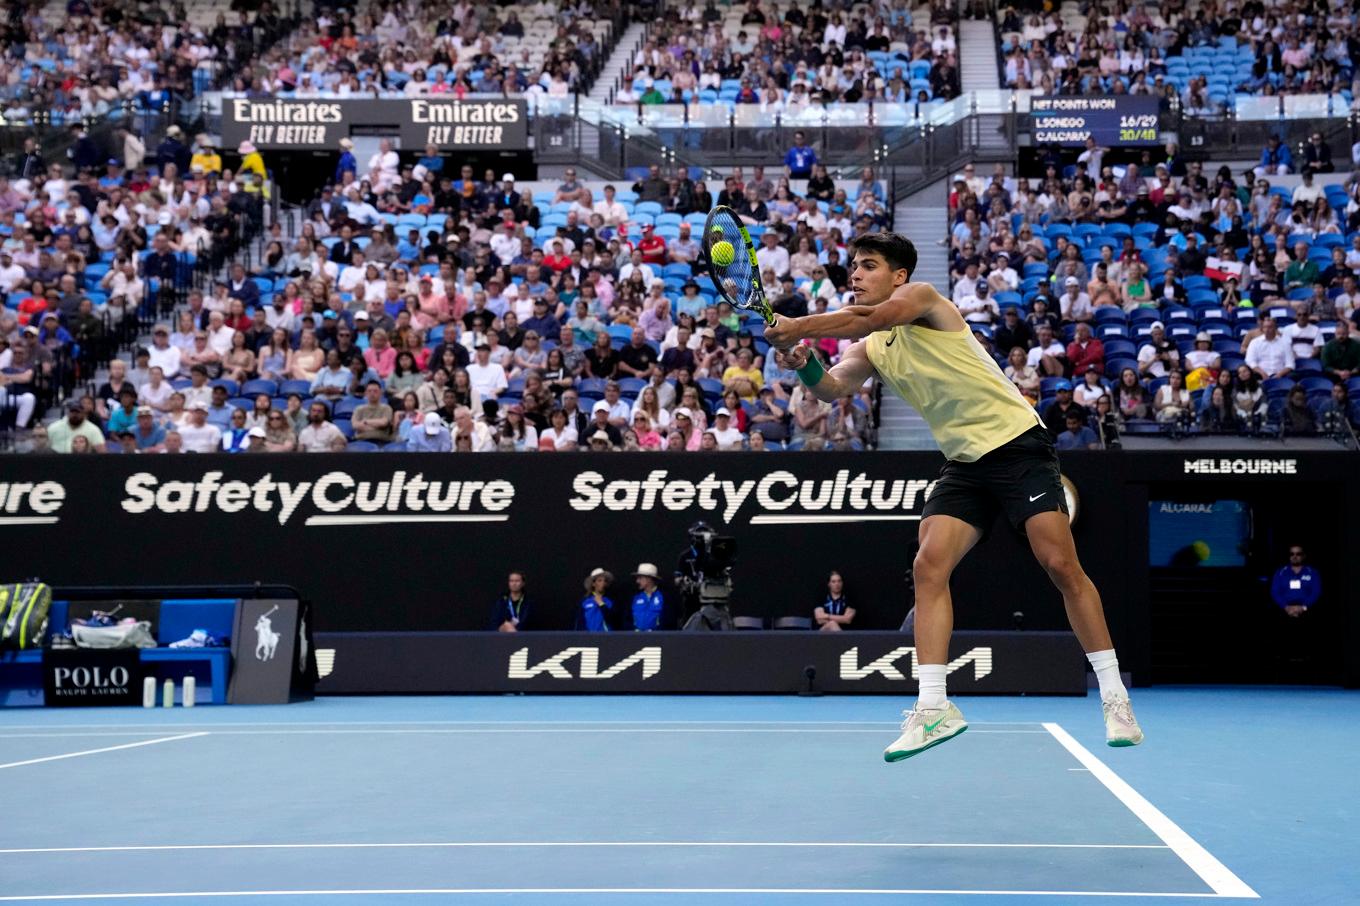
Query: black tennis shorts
[[1020, 478]]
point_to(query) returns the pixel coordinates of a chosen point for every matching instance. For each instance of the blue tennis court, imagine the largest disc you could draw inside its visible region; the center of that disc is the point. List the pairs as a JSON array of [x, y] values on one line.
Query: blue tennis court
[[678, 800]]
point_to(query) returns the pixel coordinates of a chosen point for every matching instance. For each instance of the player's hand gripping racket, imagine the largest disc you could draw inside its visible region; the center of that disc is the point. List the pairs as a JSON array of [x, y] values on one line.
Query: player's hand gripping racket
[[731, 257]]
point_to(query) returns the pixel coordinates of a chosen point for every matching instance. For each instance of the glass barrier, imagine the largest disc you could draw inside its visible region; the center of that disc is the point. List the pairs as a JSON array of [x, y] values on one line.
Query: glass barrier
[[1257, 108], [1311, 106]]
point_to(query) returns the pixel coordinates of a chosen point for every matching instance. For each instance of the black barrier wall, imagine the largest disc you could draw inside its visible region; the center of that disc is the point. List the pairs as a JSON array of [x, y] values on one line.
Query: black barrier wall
[[1041, 663], [397, 543]]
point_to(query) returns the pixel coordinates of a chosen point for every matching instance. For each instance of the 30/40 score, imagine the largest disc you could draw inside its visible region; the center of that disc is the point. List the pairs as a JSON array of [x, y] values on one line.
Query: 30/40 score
[[1141, 128]]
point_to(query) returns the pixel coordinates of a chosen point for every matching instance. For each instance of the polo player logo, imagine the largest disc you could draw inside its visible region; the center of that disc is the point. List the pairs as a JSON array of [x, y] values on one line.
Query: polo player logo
[[266, 639]]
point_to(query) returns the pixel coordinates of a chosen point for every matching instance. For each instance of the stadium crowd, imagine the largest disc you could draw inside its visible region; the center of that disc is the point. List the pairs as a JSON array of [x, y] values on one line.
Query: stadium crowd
[[99, 59], [804, 56], [408, 49], [1160, 295], [420, 308], [1203, 54]]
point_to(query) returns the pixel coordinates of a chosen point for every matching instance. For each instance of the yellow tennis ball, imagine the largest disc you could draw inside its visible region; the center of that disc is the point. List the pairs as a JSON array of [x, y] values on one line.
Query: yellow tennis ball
[[1201, 550], [722, 253]]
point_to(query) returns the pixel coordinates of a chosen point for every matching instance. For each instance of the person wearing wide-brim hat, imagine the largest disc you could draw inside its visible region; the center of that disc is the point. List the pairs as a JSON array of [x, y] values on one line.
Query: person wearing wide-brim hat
[[648, 603], [251, 161], [595, 603], [205, 155]]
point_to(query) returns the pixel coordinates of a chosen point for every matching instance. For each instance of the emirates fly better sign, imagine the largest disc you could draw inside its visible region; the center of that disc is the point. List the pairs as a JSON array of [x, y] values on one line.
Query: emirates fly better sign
[[312, 124]]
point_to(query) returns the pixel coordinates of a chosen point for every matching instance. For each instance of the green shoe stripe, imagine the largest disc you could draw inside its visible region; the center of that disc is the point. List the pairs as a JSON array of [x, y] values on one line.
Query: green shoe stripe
[[892, 757]]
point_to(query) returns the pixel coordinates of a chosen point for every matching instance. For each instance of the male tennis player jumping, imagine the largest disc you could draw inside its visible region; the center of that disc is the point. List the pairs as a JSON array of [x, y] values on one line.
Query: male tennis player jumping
[[1000, 458]]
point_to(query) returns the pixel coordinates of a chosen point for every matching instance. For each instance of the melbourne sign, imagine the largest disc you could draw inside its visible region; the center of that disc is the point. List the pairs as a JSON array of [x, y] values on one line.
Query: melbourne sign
[[295, 124]]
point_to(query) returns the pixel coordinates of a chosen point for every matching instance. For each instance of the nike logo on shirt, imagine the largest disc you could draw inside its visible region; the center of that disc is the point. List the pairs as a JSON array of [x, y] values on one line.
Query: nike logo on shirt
[[1037, 496]]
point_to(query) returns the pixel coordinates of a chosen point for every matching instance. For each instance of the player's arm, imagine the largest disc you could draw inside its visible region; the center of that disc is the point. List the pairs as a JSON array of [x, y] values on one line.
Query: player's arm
[[844, 379], [910, 302]]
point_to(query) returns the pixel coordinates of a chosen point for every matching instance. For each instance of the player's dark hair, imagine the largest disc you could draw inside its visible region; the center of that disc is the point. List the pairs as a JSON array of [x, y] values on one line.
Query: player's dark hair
[[894, 248]]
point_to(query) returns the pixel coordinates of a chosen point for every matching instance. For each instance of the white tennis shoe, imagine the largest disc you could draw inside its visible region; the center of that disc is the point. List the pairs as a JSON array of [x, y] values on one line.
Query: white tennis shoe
[[1121, 727], [924, 728]]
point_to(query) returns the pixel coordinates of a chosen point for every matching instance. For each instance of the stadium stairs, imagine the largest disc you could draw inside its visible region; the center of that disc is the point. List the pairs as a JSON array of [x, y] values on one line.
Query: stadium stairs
[[920, 217]]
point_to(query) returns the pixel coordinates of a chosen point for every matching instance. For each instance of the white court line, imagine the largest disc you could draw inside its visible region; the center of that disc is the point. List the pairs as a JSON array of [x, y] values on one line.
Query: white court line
[[548, 891], [489, 730], [130, 745], [514, 723], [177, 847], [1211, 871]]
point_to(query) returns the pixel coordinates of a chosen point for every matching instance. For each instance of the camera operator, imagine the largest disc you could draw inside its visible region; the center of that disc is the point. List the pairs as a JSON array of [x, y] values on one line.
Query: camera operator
[[704, 577]]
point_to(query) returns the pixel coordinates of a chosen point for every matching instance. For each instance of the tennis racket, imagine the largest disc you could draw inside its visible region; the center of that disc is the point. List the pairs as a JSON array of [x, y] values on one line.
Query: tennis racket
[[738, 281]]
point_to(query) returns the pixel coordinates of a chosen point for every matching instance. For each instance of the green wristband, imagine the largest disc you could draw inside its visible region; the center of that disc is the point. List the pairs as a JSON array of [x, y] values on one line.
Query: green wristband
[[812, 372]]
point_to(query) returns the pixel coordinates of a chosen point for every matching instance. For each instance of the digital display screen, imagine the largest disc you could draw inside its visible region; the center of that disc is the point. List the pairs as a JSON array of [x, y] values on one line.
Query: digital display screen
[[1202, 534]]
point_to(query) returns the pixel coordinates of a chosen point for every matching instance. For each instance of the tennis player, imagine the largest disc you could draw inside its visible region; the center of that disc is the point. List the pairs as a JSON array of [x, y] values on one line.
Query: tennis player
[[1000, 459]]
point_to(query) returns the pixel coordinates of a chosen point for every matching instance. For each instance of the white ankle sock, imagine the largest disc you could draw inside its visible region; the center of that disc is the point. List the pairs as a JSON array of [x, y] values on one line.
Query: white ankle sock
[[932, 686], [1106, 666]]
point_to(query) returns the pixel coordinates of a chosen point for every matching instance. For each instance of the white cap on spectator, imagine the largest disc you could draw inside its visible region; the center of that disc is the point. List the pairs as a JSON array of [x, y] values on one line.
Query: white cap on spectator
[[199, 404], [361, 315], [1072, 281], [1156, 325], [432, 423], [256, 431], [723, 410], [684, 412], [347, 144], [647, 569], [599, 404], [508, 177]]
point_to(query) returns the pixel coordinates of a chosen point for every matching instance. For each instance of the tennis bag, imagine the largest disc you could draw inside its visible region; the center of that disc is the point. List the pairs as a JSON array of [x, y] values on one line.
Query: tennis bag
[[23, 614]]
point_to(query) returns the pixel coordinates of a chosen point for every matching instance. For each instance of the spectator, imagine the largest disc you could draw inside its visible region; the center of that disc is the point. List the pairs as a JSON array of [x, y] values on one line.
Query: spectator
[[1048, 357], [487, 380], [1270, 355], [596, 605], [1317, 155], [1275, 159], [834, 613], [1055, 413], [1159, 356], [1219, 415], [62, 433], [1304, 336], [235, 437], [320, 434], [1202, 357], [198, 434], [511, 613], [432, 437], [1334, 412], [1297, 418], [1085, 353], [373, 420], [1090, 391], [648, 603], [1341, 354], [476, 434], [1077, 434], [727, 437], [1172, 400]]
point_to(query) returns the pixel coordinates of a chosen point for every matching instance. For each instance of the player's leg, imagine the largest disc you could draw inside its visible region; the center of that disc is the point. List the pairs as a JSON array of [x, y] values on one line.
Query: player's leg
[[1050, 538], [944, 542]]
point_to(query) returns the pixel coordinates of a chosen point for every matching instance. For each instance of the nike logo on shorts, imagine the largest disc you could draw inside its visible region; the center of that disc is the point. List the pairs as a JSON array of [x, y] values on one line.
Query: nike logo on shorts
[[1037, 496]]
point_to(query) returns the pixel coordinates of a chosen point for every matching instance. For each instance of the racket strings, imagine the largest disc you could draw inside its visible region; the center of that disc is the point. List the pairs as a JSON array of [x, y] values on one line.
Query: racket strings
[[737, 279]]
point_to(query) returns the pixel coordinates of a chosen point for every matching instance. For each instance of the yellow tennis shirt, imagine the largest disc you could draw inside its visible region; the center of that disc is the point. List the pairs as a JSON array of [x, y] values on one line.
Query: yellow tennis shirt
[[971, 406]]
